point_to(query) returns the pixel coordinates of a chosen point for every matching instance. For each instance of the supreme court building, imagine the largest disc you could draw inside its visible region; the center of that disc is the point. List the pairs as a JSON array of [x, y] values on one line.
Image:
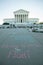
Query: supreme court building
[[21, 17]]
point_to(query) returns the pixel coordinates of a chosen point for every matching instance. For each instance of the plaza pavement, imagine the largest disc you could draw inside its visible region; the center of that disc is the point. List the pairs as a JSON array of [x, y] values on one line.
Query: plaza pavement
[[21, 41]]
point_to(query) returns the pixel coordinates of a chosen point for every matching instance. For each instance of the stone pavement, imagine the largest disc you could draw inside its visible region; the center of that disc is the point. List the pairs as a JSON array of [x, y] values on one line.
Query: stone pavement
[[19, 46]]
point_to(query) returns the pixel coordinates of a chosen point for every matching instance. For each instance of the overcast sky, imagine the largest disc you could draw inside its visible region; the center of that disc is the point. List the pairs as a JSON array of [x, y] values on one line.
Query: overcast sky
[[7, 7]]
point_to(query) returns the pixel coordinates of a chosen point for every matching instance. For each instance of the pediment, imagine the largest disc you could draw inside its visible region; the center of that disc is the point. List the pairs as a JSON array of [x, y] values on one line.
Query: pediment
[[21, 11]]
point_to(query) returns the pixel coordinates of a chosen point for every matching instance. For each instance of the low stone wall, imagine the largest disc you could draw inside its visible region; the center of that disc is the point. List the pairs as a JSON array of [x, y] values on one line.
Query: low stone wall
[[4, 26]]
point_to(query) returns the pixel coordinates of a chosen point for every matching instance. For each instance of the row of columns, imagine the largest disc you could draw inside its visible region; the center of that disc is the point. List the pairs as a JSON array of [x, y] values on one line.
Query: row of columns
[[18, 18]]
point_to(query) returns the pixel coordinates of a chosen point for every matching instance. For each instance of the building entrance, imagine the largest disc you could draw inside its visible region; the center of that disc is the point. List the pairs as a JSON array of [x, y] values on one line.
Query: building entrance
[[21, 20]]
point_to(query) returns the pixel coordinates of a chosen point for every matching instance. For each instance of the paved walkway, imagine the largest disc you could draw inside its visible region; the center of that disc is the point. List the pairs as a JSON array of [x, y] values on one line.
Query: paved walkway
[[21, 41]]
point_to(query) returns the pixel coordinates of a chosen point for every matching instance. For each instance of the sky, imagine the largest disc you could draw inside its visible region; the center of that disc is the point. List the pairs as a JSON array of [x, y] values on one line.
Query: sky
[[7, 7]]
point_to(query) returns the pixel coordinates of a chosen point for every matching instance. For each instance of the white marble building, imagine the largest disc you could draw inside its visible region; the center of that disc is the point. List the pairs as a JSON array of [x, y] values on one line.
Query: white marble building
[[21, 17]]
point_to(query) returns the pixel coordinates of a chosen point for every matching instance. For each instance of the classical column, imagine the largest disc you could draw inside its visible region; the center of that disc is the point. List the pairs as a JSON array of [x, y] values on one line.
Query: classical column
[[26, 17], [16, 18], [20, 18], [23, 18]]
